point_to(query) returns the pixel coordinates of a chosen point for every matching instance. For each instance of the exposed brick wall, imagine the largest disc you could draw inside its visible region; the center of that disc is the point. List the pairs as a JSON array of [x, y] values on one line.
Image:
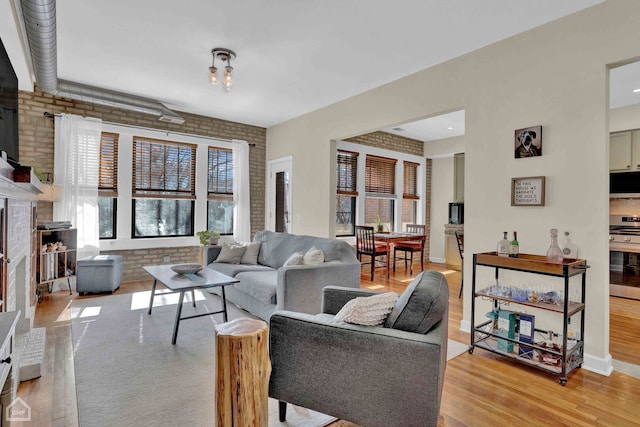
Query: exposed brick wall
[[389, 141], [18, 295], [134, 260], [36, 149]]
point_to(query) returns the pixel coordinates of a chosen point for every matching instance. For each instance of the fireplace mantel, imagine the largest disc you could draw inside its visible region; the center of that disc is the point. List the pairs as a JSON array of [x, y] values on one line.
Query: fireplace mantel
[[19, 183]]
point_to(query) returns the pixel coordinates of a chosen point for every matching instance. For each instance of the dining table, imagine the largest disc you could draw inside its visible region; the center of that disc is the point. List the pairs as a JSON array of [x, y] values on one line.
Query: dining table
[[390, 239]]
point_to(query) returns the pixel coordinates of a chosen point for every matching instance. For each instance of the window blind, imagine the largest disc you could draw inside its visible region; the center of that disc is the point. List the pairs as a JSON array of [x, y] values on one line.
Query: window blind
[[220, 173], [108, 169], [380, 175], [163, 169], [347, 173], [410, 190]]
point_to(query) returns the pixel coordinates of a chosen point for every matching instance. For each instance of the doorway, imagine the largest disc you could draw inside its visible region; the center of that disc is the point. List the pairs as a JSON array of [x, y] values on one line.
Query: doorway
[[624, 145], [279, 197]]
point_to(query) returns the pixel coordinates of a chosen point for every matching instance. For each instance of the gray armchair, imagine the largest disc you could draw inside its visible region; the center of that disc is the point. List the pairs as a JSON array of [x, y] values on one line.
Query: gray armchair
[[389, 375]]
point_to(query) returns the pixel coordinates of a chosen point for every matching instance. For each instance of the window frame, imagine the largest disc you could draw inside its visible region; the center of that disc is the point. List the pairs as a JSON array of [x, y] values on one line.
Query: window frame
[[150, 180], [108, 176], [421, 203], [347, 185], [216, 193]]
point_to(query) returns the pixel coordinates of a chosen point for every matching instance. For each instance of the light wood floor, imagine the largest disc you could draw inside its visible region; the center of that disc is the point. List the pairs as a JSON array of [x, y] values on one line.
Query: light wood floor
[[480, 389]]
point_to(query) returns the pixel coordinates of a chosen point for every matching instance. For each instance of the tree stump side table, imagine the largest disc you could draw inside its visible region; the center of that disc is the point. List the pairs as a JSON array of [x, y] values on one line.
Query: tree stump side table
[[242, 373]]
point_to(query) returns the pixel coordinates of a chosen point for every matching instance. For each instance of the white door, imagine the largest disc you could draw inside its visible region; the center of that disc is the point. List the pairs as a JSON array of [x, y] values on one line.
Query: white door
[[279, 195]]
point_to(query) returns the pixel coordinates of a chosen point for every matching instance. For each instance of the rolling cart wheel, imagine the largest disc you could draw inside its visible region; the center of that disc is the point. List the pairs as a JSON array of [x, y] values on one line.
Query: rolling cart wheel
[[563, 381], [470, 349]]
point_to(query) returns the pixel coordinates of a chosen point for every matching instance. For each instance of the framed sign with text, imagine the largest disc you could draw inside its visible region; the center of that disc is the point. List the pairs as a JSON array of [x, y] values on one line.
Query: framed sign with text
[[528, 191]]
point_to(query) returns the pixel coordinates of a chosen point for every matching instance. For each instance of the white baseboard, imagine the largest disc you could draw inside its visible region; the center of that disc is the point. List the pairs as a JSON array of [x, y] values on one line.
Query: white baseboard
[[465, 326], [436, 259], [602, 366]]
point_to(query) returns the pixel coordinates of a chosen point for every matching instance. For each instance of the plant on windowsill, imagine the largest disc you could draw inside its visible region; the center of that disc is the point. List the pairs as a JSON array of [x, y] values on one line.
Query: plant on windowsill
[[208, 237], [379, 225]]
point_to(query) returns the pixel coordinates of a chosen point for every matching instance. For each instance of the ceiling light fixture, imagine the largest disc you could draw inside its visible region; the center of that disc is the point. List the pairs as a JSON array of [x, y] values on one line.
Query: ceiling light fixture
[[224, 55], [636, 90]]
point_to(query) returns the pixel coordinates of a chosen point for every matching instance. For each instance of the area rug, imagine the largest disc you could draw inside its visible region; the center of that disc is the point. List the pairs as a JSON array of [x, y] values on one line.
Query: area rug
[[128, 372], [455, 349]]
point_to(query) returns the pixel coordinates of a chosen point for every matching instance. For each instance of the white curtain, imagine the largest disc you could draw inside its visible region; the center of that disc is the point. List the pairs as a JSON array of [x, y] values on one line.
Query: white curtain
[[76, 166], [241, 192]]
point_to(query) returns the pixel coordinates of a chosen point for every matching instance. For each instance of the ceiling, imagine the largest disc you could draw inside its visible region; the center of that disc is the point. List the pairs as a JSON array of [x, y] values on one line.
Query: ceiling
[[624, 90], [293, 56]]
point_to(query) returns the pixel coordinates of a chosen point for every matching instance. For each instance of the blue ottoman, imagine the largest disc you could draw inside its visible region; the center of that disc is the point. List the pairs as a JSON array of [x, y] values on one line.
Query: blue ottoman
[[99, 273]]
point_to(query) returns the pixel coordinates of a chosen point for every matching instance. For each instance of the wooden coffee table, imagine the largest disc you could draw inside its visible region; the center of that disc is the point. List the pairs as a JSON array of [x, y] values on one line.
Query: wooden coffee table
[[181, 283]]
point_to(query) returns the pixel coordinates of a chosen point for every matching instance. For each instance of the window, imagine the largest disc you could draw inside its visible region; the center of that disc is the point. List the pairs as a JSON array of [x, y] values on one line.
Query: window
[[163, 188], [346, 192], [220, 191], [108, 185], [410, 195], [380, 177]]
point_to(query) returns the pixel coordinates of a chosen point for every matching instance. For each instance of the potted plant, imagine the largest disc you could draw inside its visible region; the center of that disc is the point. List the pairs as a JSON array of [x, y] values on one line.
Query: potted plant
[[208, 237], [379, 225]]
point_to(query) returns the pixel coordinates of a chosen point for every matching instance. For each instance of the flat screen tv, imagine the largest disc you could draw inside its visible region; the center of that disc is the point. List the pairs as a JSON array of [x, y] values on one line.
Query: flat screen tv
[[8, 107]]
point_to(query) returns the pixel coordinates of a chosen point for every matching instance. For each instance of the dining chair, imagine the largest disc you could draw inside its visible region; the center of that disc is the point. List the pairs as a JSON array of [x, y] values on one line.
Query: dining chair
[[460, 241], [366, 245], [410, 246]]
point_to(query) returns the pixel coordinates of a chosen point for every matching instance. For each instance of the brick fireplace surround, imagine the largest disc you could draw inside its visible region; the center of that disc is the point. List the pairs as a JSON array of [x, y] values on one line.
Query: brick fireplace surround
[[17, 204]]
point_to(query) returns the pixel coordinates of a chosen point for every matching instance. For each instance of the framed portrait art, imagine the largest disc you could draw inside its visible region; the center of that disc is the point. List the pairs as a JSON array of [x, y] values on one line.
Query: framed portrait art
[[528, 142]]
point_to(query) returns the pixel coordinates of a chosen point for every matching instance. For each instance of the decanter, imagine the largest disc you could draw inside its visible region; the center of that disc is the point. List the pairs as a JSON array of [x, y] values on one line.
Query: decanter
[[554, 254]]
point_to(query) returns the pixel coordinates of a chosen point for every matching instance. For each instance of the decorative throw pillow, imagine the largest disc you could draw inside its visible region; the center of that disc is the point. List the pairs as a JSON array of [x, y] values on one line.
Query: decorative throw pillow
[[230, 254], [296, 258], [250, 256], [314, 256], [422, 305], [368, 311]]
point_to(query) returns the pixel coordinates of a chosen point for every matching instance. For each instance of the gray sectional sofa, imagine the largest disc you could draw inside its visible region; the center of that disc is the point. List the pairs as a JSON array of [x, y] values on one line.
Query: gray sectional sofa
[[271, 285]]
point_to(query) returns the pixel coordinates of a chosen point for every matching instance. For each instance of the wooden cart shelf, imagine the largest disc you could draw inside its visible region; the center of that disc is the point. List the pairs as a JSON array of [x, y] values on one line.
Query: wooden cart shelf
[[573, 307], [484, 334]]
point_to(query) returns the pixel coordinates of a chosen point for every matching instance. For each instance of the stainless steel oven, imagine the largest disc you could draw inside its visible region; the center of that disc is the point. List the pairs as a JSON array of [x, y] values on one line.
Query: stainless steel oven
[[624, 256]]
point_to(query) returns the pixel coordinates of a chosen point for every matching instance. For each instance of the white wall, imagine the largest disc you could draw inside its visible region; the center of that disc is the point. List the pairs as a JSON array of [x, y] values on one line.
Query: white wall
[[442, 172], [555, 76], [441, 152], [444, 147]]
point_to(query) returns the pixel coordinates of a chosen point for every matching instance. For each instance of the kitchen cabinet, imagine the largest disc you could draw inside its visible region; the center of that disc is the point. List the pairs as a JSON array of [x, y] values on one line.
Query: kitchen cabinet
[[558, 351], [624, 151], [451, 254]]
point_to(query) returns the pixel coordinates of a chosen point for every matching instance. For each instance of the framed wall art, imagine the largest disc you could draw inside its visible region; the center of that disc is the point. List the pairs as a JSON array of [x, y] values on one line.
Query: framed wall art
[[528, 142], [528, 191]]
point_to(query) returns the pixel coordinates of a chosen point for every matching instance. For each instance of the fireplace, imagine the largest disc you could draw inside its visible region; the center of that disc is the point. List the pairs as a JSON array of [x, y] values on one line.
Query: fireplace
[[18, 201]]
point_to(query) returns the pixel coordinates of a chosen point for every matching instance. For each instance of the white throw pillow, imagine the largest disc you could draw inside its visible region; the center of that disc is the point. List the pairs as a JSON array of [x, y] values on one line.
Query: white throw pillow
[[230, 254], [251, 252], [296, 258], [368, 311], [314, 256]]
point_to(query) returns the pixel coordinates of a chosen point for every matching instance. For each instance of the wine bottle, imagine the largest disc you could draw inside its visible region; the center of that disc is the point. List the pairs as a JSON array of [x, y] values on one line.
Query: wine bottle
[[514, 246], [503, 246]]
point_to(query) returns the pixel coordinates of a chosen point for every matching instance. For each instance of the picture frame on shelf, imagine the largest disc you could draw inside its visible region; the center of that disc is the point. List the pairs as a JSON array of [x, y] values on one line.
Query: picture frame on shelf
[[528, 191]]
